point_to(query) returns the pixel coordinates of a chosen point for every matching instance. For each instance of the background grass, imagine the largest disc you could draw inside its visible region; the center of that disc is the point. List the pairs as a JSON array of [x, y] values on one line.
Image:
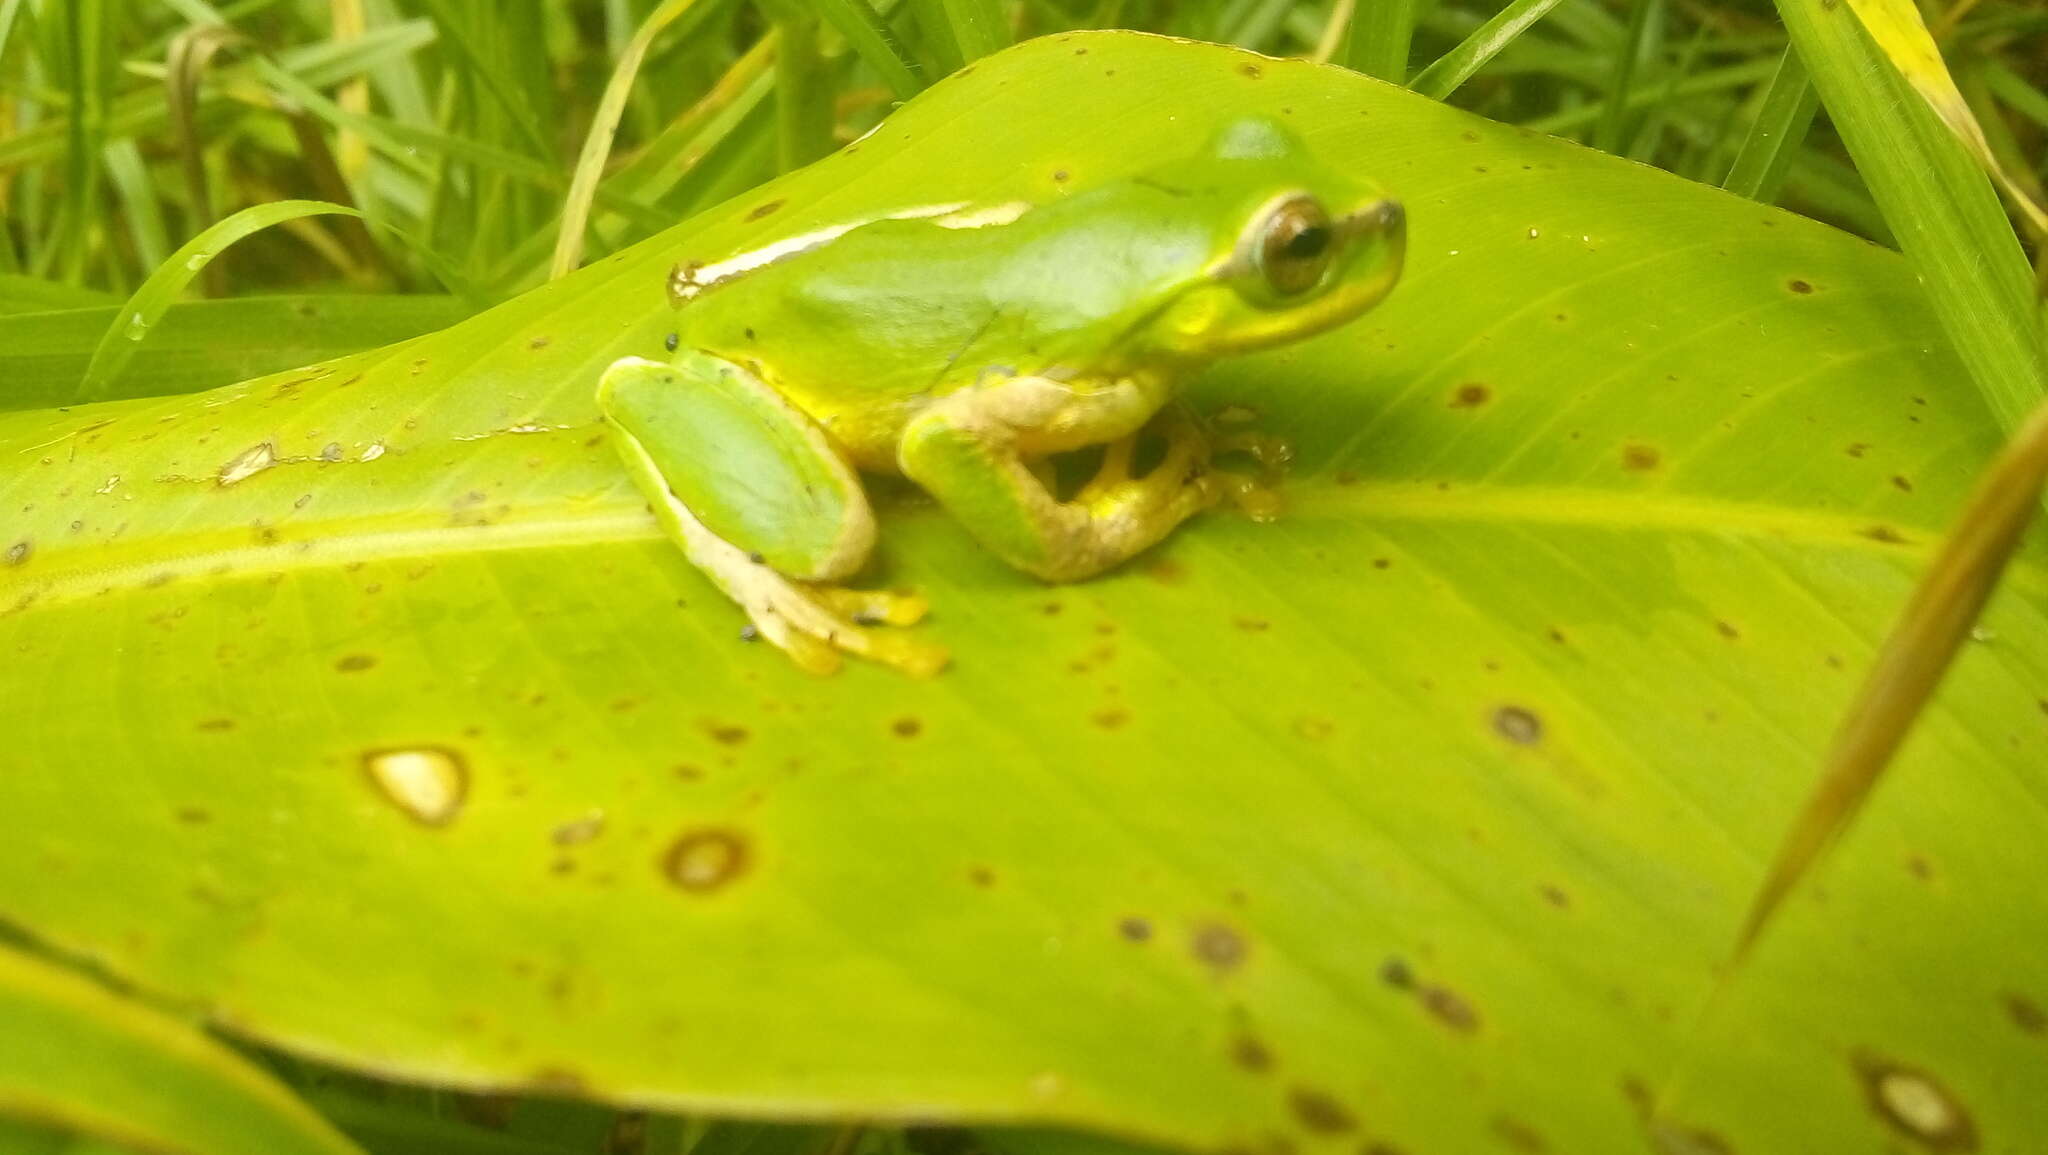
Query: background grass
[[128, 126]]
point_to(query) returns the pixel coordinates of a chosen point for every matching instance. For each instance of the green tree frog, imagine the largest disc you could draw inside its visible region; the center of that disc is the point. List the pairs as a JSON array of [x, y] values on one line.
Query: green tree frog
[[959, 345]]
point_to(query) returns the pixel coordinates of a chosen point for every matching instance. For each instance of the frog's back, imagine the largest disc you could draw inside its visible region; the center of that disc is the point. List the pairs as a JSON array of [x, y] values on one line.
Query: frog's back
[[868, 328]]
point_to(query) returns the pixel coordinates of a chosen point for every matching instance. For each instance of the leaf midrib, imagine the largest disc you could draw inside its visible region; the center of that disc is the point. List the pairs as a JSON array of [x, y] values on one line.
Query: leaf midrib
[[89, 570]]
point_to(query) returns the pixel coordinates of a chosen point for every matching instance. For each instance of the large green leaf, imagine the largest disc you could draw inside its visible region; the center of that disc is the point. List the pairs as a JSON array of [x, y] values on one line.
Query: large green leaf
[[1422, 817]]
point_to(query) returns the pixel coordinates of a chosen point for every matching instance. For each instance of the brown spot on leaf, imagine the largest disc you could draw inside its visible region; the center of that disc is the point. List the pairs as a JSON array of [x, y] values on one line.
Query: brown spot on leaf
[[1250, 1054], [726, 734], [1902, 483], [353, 663], [557, 1081], [1518, 724], [1110, 717], [1885, 534], [217, 724], [1253, 625], [1799, 286], [703, 860], [763, 209], [1726, 629], [1251, 70], [1554, 895], [982, 877], [1640, 458], [193, 815], [1857, 448], [1914, 1103], [1449, 1008], [18, 552], [1167, 572], [906, 727], [2026, 1014], [1519, 1135], [539, 343], [1319, 1112], [1395, 973], [1134, 929], [1219, 946], [1470, 395]]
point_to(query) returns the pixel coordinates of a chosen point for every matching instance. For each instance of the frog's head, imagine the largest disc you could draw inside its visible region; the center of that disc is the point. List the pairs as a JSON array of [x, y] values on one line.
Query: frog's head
[[1296, 247]]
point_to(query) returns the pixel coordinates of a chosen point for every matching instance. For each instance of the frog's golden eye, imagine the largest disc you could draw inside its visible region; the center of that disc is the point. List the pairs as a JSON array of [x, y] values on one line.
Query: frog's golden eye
[[1295, 245]]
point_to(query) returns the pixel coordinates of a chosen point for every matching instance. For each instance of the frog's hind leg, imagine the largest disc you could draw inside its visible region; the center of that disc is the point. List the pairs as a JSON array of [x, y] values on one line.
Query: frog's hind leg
[[762, 502]]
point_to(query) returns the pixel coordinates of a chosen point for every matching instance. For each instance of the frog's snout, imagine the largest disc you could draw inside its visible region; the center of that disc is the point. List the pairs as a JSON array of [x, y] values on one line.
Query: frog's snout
[[1393, 219], [1382, 219]]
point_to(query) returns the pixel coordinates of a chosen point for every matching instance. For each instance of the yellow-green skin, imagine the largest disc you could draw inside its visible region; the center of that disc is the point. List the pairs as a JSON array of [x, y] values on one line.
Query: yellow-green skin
[[956, 343]]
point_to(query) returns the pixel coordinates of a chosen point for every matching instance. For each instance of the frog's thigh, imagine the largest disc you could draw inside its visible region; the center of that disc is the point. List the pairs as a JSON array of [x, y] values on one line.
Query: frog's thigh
[[752, 468], [970, 451]]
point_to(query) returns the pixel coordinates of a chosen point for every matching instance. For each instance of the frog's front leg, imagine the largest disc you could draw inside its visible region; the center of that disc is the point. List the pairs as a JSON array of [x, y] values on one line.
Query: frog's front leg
[[972, 449], [759, 500]]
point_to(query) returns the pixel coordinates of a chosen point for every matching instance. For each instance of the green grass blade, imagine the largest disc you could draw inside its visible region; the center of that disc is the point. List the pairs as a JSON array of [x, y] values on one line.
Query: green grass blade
[[1455, 67], [804, 97], [1642, 46], [1916, 655], [77, 1056], [199, 344], [978, 27], [1382, 32], [139, 207], [872, 40], [597, 143], [1776, 134], [2017, 92], [1939, 203], [22, 294], [124, 337]]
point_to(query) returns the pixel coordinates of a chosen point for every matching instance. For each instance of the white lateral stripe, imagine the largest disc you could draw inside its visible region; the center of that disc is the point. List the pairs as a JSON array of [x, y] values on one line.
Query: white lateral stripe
[[1001, 214], [689, 280], [686, 281]]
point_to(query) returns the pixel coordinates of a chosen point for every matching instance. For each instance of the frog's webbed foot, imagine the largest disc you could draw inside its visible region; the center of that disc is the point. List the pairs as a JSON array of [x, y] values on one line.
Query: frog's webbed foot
[[813, 622], [1180, 485], [1255, 494]]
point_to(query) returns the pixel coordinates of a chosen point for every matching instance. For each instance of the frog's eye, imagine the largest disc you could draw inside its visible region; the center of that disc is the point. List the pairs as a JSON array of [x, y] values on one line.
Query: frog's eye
[[1295, 243]]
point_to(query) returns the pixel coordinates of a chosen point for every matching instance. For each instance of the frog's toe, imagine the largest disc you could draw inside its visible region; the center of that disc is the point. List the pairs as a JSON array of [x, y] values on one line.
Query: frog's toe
[[1255, 497], [1270, 450], [815, 624], [876, 607]]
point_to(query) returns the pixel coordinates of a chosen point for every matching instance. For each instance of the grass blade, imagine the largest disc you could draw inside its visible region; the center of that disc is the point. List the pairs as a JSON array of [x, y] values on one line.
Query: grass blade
[[978, 26], [1381, 34], [1910, 665], [162, 287], [869, 36], [1642, 45], [597, 143], [1939, 203], [1780, 126], [1454, 68], [1896, 27]]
